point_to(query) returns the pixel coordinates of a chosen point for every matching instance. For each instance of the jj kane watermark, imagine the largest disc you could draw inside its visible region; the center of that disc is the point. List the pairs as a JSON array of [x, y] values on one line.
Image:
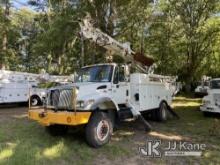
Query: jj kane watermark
[[155, 148]]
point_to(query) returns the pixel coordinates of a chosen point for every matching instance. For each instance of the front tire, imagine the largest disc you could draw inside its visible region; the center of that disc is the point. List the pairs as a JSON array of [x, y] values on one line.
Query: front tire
[[99, 130]]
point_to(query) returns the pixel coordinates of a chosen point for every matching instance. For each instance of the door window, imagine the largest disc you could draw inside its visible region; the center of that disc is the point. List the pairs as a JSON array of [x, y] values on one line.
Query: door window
[[121, 74], [116, 77]]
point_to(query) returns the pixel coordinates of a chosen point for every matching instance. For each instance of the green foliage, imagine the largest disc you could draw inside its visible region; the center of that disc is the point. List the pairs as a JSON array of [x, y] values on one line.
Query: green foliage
[[182, 36], [9, 36]]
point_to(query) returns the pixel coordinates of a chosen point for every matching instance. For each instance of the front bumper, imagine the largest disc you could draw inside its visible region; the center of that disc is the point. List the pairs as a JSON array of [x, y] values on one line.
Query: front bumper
[[50, 117], [210, 108], [201, 94]]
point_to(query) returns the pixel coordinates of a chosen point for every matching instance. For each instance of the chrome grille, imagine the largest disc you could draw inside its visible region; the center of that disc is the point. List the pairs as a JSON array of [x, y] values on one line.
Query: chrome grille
[[60, 99], [203, 90]]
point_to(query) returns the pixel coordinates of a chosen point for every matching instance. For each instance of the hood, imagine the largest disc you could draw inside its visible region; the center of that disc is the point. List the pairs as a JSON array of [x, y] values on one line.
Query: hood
[[90, 88]]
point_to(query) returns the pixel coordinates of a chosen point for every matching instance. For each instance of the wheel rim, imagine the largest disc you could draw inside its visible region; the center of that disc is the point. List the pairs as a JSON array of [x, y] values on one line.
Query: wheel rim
[[103, 130], [34, 101], [164, 115]]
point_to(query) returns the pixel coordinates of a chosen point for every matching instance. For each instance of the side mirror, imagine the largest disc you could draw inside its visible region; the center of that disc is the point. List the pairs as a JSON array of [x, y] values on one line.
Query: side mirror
[[152, 68], [115, 81], [116, 76], [127, 71]]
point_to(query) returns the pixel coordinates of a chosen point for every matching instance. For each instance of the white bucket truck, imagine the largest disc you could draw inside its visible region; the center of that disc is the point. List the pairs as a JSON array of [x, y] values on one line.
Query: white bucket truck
[[103, 94], [18, 87]]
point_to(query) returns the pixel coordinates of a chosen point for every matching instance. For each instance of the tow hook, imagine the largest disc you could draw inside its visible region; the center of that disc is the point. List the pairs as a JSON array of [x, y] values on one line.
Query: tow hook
[[42, 114]]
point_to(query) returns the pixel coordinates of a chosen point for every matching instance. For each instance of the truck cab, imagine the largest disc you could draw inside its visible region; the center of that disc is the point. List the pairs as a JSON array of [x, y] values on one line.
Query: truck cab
[[202, 89], [211, 102], [102, 86], [103, 81]]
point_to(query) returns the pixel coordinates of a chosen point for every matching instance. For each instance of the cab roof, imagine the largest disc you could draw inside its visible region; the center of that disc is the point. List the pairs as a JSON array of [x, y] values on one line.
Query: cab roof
[[113, 64], [218, 79]]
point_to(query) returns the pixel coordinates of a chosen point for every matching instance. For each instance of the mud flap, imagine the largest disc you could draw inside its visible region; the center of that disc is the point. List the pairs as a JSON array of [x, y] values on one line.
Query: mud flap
[[173, 112], [147, 125], [137, 115]]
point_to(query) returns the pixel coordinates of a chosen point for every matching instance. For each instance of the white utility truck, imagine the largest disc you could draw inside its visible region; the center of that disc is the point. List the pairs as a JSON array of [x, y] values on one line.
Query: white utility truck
[[211, 102], [104, 94], [18, 87]]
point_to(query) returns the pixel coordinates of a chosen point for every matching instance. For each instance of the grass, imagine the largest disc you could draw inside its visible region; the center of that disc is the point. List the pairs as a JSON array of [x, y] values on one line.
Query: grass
[[196, 128], [26, 142]]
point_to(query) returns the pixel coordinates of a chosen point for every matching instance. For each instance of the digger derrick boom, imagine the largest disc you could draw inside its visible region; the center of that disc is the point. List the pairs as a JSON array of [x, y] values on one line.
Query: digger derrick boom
[[124, 50]]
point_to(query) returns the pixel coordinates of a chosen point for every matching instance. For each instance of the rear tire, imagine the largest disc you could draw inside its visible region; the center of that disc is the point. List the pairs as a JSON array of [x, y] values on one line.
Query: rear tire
[[57, 130], [162, 112], [99, 130]]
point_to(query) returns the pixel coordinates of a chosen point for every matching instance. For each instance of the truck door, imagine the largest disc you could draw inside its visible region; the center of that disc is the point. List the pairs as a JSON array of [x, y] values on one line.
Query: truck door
[[120, 86]]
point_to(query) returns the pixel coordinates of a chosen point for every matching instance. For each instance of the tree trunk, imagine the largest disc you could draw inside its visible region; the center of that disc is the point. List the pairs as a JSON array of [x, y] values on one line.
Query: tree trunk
[[49, 58], [188, 87], [189, 78], [4, 49], [82, 51], [5, 35]]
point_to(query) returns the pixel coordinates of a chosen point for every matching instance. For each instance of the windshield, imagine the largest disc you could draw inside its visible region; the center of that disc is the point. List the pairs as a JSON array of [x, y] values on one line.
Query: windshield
[[100, 73], [215, 84], [206, 83], [203, 83]]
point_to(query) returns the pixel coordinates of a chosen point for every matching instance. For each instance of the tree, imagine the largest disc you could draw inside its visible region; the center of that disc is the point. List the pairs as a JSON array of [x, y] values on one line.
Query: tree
[[184, 36], [5, 26], [56, 41], [24, 22]]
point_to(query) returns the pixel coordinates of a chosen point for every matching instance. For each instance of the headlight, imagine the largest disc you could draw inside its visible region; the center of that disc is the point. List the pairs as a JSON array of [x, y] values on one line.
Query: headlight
[[80, 104], [83, 104], [89, 102]]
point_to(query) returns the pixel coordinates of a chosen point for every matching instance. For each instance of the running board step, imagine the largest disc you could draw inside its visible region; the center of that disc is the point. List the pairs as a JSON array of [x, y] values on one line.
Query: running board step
[[125, 113]]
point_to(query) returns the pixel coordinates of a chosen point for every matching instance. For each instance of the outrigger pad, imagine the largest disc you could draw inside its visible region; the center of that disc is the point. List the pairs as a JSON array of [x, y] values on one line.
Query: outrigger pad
[[173, 112], [147, 125], [144, 60]]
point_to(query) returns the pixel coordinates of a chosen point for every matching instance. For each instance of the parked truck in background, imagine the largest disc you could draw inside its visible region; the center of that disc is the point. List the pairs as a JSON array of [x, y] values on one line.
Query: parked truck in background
[[203, 87], [19, 87], [211, 102]]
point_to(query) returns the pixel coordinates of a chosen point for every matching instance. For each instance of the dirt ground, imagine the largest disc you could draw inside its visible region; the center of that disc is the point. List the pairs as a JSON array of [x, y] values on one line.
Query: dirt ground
[[10, 111], [17, 129]]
